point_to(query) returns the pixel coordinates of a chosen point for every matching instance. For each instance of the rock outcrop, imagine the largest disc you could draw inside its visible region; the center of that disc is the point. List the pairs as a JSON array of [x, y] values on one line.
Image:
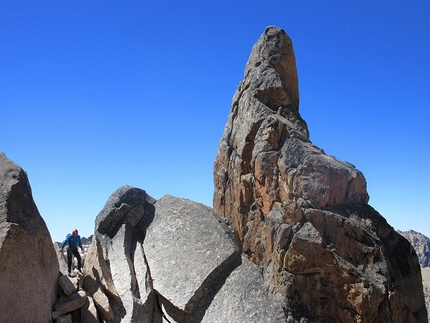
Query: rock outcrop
[[116, 269], [426, 286], [296, 240], [301, 215], [28, 262], [421, 244], [171, 260], [74, 303]]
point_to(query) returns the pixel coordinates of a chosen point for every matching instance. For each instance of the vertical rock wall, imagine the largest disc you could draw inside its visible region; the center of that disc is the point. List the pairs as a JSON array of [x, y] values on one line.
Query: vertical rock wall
[[302, 215]]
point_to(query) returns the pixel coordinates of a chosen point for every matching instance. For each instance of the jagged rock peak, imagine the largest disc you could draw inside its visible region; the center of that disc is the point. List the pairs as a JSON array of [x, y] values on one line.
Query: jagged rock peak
[[421, 244], [301, 215], [265, 157], [275, 49]]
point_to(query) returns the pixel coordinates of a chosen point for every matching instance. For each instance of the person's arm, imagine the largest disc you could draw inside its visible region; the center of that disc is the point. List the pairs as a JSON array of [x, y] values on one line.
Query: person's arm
[[65, 242], [80, 242]]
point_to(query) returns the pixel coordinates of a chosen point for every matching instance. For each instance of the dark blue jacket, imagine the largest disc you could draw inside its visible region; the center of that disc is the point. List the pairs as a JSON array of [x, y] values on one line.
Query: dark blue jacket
[[72, 241]]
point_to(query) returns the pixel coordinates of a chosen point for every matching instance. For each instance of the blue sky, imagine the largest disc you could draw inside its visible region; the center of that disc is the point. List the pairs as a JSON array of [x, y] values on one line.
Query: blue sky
[[99, 94]]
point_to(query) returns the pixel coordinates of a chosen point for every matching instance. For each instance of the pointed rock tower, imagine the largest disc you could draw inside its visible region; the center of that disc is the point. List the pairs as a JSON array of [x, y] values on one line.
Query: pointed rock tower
[[301, 215]]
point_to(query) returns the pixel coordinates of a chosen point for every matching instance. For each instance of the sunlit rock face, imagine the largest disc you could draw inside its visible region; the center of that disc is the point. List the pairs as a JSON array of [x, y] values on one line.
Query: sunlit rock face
[[28, 263], [171, 260], [301, 215]]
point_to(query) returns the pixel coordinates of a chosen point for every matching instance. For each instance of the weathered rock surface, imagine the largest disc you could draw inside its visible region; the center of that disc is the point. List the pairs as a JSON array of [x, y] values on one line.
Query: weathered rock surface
[[33, 288], [67, 304], [89, 312], [426, 285], [100, 299], [301, 215], [76, 303], [62, 261], [67, 285], [421, 244], [312, 249], [115, 264], [174, 261], [65, 319], [243, 299], [186, 249], [28, 263]]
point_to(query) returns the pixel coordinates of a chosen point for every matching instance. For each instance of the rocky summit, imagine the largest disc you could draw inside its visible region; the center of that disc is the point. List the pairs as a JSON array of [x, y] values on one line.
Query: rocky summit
[[301, 215], [291, 237]]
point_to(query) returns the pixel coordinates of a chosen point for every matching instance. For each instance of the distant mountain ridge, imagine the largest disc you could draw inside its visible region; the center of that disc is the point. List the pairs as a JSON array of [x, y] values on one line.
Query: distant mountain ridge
[[421, 244], [84, 240]]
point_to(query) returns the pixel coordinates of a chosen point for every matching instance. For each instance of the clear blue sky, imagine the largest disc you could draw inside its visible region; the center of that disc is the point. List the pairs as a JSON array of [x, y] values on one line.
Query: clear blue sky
[[99, 94]]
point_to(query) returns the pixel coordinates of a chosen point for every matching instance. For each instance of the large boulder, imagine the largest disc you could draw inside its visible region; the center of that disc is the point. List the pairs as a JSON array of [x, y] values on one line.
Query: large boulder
[[116, 268], [187, 249], [29, 268], [171, 260], [301, 215]]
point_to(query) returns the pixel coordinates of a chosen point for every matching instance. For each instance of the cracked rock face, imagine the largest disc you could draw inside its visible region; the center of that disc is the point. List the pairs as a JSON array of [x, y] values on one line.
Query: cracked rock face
[[186, 249], [171, 260], [117, 272], [301, 215], [421, 244]]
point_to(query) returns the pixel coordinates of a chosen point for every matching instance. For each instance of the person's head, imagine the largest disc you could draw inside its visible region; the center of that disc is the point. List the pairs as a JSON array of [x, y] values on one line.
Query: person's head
[[75, 232]]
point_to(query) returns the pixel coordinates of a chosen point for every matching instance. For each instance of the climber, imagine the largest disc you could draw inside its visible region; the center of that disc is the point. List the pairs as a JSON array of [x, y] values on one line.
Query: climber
[[74, 241]]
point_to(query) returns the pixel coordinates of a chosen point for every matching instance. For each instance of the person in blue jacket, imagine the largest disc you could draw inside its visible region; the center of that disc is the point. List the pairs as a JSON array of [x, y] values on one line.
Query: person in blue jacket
[[74, 241]]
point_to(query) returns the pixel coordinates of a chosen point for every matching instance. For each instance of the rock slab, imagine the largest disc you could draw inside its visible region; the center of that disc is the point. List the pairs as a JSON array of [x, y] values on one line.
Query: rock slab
[[243, 299], [67, 285], [186, 249], [67, 304]]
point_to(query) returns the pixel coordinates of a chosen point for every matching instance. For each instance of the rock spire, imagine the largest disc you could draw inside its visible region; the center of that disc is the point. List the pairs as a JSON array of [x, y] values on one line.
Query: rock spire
[[301, 215], [308, 246]]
